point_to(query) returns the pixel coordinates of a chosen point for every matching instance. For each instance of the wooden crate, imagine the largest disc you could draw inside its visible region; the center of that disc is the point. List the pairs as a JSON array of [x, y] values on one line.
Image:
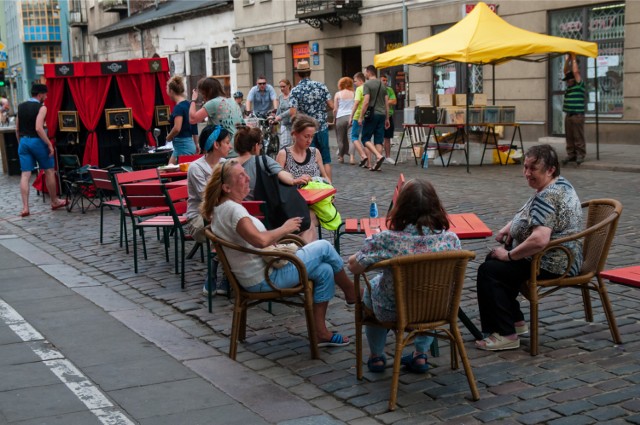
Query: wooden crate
[[479, 99], [446, 100], [461, 99]]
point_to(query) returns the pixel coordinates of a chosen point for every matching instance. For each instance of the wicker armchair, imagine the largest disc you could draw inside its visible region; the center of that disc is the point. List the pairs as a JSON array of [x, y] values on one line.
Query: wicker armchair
[[601, 223], [427, 290], [303, 292]]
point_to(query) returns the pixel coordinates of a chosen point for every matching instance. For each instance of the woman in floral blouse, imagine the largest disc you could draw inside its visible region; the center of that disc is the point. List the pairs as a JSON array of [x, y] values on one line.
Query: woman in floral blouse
[[552, 212], [418, 224]]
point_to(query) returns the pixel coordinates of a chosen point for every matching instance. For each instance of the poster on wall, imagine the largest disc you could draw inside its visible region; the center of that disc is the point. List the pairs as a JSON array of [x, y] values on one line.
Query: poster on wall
[[299, 52]]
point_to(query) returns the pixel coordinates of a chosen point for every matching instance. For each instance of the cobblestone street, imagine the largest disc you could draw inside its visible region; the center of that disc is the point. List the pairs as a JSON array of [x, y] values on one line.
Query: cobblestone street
[[579, 377]]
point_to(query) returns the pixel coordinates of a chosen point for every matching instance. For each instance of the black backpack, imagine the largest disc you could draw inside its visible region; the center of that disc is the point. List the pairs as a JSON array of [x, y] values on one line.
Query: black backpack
[[282, 201]]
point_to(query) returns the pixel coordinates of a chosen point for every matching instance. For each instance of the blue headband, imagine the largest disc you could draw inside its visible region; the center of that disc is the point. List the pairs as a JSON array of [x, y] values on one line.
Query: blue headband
[[212, 138]]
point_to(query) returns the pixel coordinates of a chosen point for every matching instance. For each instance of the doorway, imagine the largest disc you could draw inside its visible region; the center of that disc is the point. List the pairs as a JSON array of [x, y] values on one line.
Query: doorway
[[351, 61]]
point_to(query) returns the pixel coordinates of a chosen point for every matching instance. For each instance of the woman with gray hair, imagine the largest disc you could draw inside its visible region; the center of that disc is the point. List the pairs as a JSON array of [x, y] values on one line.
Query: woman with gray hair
[[553, 211]]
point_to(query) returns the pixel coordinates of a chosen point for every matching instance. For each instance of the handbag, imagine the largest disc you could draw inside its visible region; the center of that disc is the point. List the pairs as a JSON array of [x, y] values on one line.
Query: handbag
[[325, 210], [278, 263], [368, 114], [282, 201]]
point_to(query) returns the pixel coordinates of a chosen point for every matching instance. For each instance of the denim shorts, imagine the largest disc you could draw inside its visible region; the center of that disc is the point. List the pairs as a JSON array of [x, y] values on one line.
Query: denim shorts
[[375, 128], [183, 146], [322, 263], [321, 142], [32, 150], [356, 128]]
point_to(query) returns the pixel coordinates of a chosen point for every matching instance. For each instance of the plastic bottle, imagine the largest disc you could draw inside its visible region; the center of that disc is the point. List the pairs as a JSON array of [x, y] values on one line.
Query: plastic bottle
[[373, 214]]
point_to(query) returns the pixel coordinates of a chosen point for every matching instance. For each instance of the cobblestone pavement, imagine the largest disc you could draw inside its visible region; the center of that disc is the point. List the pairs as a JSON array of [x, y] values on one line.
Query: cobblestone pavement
[[580, 376]]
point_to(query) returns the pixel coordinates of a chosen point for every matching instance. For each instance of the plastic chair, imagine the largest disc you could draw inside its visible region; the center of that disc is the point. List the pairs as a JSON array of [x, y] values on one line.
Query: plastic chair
[[427, 292], [601, 225]]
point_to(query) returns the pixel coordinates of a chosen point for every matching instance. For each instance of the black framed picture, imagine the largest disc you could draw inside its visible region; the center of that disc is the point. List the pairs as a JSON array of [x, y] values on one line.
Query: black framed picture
[[68, 121], [162, 114], [118, 118]]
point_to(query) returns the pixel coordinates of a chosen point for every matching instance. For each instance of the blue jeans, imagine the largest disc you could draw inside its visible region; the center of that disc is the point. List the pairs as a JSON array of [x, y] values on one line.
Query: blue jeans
[[377, 337], [322, 263], [321, 142]]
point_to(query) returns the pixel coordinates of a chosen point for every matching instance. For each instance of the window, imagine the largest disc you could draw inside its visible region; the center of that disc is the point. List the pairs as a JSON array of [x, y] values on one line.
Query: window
[[46, 54], [41, 20], [220, 61], [604, 25]]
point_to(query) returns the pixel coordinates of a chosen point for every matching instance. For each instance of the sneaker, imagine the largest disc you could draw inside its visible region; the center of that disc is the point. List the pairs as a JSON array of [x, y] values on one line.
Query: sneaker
[[205, 291], [223, 289], [390, 161], [567, 160], [579, 161]]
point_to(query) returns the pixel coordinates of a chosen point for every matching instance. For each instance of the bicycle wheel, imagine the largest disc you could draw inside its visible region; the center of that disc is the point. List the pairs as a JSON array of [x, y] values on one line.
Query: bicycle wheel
[[274, 146]]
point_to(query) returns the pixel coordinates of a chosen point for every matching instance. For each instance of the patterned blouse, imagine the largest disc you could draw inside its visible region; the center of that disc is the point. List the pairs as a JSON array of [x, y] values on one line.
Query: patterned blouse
[[308, 166], [557, 207], [310, 98], [391, 243]]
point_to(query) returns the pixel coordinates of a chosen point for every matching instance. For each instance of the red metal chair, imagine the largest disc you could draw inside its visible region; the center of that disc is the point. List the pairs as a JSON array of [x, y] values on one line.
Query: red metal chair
[[189, 158], [155, 195], [135, 177], [104, 184]]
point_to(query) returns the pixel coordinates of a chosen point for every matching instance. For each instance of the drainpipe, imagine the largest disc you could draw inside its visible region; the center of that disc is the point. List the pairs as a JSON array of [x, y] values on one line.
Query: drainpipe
[[405, 41]]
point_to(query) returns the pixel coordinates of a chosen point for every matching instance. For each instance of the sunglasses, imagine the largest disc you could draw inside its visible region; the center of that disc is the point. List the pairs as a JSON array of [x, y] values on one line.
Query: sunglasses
[[262, 84]]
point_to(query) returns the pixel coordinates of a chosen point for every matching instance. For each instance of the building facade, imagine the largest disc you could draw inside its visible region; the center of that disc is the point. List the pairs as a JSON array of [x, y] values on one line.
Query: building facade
[[36, 34], [339, 37]]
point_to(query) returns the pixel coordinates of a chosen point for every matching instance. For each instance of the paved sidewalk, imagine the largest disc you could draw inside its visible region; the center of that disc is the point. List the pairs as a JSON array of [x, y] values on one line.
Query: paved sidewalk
[[579, 376]]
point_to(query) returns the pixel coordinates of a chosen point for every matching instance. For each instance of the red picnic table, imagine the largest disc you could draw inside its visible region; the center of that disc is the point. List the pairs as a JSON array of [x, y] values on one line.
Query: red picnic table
[[313, 196], [465, 225], [173, 175], [625, 275]]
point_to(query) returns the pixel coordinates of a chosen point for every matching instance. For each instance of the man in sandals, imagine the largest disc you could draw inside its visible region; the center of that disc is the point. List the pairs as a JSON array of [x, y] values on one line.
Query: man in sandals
[[35, 147], [377, 120]]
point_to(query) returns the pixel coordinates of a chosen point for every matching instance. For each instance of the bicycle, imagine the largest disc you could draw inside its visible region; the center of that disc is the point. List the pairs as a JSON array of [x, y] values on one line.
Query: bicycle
[[269, 128]]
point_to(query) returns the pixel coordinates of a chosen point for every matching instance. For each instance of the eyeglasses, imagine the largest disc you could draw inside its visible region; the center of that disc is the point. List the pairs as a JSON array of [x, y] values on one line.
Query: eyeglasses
[[262, 84]]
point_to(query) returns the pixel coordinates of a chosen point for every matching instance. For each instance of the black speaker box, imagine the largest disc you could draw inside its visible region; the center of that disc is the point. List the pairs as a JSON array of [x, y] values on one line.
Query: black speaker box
[[426, 115]]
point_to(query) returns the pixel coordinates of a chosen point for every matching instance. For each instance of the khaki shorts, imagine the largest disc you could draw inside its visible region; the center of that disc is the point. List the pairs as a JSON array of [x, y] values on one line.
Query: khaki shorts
[[195, 227]]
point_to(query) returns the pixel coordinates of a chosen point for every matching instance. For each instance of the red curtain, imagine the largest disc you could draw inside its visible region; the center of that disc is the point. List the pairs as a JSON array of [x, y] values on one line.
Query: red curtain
[[90, 95], [163, 77], [139, 93], [53, 102]]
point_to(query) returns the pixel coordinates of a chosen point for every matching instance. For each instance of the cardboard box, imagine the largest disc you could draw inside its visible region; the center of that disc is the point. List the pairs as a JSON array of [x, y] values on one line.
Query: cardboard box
[[446, 100], [491, 114], [508, 114], [456, 115], [423, 99], [479, 99], [461, 99]]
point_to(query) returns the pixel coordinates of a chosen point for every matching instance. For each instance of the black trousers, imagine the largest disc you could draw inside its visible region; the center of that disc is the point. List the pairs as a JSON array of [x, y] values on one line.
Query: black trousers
[[498, 286]]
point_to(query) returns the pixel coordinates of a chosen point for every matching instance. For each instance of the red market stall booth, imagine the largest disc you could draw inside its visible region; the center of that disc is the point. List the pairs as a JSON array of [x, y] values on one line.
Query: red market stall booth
[[105, 111]]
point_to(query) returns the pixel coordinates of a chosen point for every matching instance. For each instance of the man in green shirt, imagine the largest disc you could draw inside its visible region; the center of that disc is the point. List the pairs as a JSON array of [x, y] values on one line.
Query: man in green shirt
[[388, 132], [573, 107]]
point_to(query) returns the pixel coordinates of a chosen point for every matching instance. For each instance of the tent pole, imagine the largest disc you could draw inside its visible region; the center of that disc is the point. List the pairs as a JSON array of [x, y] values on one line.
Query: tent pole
[[466, 121], [405, 41], [493, 78], [597, 113]]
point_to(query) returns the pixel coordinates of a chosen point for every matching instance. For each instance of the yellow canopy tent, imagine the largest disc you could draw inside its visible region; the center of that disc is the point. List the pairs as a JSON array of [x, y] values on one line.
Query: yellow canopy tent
[[482, 37]]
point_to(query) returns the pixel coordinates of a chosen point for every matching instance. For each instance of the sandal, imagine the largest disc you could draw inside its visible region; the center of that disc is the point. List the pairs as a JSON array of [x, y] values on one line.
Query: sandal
[[496, 342], [336, 341], [409, 361], [60, 205], [363, 162], [378, 164], [377, 368], [25, 214]]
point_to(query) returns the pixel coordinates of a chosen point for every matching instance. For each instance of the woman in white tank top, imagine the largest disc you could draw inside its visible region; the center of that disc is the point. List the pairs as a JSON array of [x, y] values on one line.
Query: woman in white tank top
[[343, 103]]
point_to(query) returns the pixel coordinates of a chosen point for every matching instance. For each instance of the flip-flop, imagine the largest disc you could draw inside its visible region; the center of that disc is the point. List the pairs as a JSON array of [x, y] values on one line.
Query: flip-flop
[[25, 214], [409, 361], [377, 368], [336, 341], [378, 164], [363, 162], [61, 205]]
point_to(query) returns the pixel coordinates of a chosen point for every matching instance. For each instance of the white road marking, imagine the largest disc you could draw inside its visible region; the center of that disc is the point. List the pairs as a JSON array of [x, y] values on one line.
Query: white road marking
[[95, 400]]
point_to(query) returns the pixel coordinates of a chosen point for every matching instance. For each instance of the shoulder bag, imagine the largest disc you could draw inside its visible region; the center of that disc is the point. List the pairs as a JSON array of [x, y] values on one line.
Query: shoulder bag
[[368, 114]]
